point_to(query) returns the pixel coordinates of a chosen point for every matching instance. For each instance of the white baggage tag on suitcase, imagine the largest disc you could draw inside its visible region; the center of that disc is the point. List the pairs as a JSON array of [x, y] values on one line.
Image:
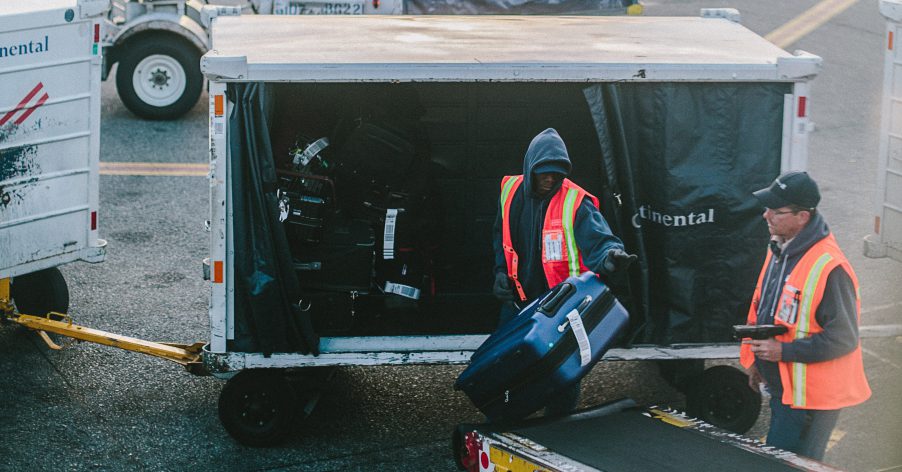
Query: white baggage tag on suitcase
[[388, 240], [582, 338]]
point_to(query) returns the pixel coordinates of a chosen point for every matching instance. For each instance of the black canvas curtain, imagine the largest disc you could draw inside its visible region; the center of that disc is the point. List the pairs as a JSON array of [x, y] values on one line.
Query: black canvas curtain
[[683, 159], [267, 318]]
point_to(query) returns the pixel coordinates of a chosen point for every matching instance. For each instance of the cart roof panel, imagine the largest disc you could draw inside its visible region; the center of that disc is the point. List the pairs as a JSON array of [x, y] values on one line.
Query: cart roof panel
[[504, 48], [23, 15], [10, 8]]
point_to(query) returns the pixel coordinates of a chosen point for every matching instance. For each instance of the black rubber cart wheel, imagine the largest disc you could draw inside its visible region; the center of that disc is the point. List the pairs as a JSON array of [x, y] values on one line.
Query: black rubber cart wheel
[[40, 292], [159, 76], [257, 407], [722, 396]]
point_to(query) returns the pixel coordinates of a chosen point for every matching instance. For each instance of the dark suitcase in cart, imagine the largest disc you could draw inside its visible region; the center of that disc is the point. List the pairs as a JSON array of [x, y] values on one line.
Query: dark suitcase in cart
[[547, 347], [342, 262]]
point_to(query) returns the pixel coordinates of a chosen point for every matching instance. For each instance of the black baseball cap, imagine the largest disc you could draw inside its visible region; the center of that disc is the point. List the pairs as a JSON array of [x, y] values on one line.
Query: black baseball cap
[[791, 188], [555, 167]]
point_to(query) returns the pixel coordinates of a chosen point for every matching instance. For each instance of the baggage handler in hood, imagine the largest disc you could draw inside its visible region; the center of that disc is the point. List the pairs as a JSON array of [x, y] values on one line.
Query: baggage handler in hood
[[807, 285], [547, 229]]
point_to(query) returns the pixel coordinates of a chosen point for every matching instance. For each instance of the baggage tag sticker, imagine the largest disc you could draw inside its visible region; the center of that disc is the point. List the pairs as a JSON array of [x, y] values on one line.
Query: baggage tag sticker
[[582, 339], [388, 239], [554, 246], [283, 208]]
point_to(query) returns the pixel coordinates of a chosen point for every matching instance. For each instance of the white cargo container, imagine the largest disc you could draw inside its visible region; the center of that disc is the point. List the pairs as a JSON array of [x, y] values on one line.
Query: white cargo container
[[887, 237], [487, 85], [50, 60]]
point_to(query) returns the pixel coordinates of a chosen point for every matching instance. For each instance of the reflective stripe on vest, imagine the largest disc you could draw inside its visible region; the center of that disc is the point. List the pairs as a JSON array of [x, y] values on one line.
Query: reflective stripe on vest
[[569, 216], [800, 369], [508, 187]]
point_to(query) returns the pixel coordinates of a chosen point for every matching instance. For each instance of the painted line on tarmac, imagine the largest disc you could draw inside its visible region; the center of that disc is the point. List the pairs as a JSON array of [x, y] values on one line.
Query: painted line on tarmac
[[808, 21], [881, 358], [835, 437], [880, 331], [176, 169], [881, 307]]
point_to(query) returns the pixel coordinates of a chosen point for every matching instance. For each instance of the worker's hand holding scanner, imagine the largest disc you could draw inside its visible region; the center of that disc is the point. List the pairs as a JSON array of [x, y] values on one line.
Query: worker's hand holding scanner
[[761, 339], [502, 288], [766, 349], [617, 260]]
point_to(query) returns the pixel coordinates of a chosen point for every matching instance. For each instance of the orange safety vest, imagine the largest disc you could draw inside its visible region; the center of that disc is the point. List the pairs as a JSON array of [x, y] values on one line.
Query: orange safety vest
[[560, 254], [828, 385]]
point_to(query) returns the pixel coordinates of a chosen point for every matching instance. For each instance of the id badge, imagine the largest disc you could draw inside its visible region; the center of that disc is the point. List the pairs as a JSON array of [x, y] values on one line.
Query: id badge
[[789, 305], [553, 242]]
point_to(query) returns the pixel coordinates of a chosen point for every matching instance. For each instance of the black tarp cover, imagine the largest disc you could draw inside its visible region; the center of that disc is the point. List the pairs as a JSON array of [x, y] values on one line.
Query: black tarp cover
[[266, 286], [684, 159]]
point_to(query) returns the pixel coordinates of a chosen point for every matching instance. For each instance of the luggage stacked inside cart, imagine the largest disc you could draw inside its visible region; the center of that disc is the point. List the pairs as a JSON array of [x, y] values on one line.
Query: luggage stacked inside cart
[[359, 219]]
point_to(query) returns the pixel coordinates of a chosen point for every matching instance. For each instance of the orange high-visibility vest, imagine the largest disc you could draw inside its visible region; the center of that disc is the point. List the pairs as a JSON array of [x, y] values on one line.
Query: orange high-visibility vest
[[827, 385], [560, 254]]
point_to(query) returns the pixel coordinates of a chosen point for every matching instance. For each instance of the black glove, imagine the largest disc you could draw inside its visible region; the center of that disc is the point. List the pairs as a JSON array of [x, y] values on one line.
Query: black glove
[[502, 288], [617, 260]]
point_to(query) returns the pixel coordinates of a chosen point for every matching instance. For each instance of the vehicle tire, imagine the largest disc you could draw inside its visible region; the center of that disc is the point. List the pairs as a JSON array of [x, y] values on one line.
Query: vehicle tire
[[722, 397], [159, 77], [681, 373], [257, 407], [40, 292]]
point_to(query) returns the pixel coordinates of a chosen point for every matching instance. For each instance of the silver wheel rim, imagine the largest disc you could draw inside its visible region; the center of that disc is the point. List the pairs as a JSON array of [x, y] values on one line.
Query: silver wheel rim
[[159, 80]]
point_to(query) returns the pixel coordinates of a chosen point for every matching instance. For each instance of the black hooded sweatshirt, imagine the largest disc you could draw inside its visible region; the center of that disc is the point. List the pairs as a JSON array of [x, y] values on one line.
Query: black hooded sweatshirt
[[837, 313], [527, 217]]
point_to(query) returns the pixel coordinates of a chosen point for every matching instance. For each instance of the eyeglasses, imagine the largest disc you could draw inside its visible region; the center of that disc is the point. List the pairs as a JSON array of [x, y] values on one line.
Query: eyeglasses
[[783, 212]]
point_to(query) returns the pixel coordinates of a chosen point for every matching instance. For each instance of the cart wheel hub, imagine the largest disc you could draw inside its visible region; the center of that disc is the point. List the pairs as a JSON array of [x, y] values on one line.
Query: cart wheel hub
[[159, 80]]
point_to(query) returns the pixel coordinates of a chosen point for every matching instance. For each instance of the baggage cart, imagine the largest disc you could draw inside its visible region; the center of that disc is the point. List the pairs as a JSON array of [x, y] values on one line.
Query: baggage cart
[[671, 122], [49, 146]]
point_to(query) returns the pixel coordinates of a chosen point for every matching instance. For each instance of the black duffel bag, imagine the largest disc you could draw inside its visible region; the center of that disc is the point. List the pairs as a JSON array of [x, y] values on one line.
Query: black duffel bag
[[375, 158]]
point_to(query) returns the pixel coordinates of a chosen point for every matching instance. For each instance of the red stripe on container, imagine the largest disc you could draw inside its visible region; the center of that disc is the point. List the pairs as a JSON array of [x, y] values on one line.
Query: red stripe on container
[[32, 109], [21, 104], [217, 272]]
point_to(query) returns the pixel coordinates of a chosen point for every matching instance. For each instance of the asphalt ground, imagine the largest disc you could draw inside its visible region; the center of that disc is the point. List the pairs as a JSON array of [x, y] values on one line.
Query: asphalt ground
[[90, 407]]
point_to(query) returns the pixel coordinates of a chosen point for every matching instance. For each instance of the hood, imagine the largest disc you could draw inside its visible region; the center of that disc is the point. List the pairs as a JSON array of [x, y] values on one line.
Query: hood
[[814, 231], [547, 148]]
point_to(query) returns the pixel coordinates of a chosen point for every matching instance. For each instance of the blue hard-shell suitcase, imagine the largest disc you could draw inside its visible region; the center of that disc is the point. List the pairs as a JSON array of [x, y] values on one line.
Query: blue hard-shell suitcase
[[547, 347]]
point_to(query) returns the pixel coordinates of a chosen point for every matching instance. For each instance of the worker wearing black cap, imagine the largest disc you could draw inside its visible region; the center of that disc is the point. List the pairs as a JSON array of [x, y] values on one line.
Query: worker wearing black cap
[[548, 228], [815, 368]]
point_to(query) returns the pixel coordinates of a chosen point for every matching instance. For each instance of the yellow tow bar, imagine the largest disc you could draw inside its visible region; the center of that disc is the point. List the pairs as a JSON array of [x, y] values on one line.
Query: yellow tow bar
[[188, 355]]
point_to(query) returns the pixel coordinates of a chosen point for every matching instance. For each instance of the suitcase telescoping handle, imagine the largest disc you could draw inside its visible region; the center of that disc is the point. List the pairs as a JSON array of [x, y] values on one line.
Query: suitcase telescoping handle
[[578, 311], [550, 306]]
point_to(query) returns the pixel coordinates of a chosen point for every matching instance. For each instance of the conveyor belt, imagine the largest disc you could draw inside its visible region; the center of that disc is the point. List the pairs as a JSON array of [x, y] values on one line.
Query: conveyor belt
[[630, 440]]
